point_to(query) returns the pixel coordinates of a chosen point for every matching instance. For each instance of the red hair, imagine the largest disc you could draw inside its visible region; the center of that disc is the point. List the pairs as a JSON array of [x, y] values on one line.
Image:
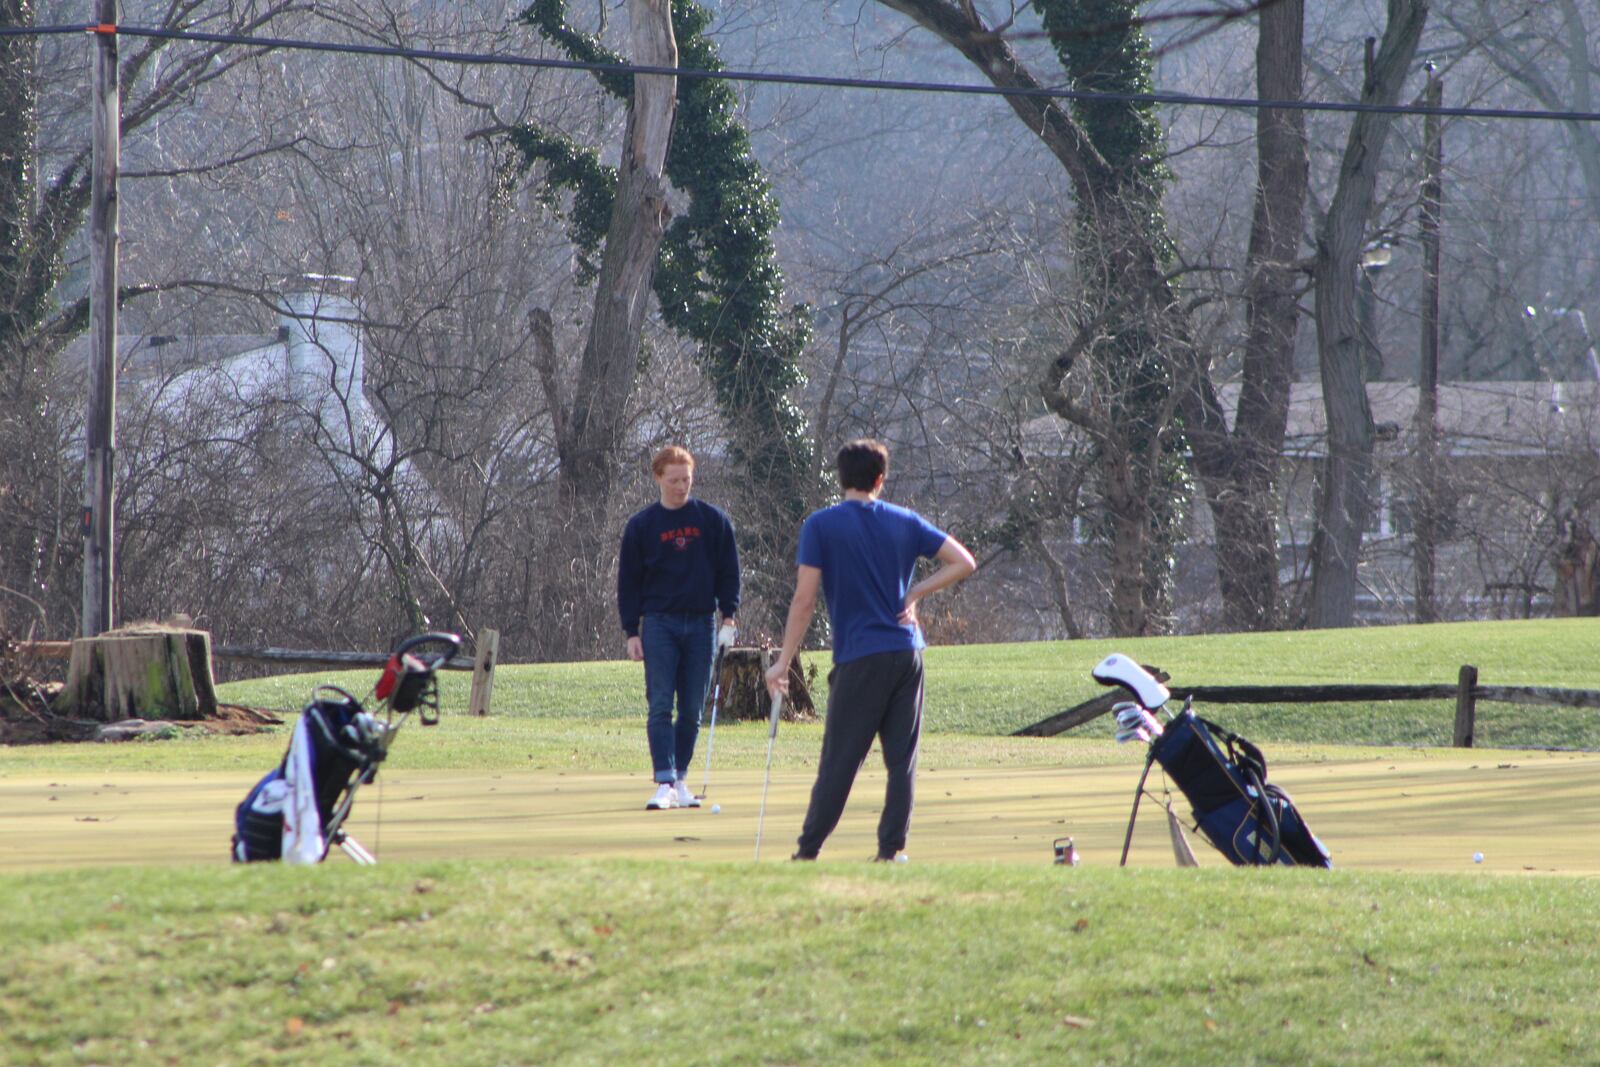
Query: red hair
[[668, 456]]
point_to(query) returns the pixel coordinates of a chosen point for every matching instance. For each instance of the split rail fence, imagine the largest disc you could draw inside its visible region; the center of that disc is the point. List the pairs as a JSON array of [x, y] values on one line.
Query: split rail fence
[[481, 665], [1466, 692]]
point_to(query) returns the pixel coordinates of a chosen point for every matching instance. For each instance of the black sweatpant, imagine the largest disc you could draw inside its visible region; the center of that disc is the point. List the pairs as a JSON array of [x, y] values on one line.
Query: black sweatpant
[[877, 696]]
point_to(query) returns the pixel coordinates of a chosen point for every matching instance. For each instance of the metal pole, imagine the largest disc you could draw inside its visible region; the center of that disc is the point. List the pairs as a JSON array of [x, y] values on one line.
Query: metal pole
[[766, 781], [100, 434], [1426, 534]]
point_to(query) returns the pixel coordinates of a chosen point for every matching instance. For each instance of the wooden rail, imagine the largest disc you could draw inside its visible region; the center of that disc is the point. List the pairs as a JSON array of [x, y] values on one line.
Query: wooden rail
[[1466, 693], [309, 658], [62, 650], [482, 665]]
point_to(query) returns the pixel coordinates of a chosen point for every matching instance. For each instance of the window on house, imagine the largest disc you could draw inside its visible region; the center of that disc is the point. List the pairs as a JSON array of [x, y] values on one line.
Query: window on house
[[1380, 512]]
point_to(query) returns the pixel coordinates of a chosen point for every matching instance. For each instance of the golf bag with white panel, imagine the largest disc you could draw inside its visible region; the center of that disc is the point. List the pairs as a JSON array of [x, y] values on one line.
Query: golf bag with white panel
[[1223, 776], [297, 812]]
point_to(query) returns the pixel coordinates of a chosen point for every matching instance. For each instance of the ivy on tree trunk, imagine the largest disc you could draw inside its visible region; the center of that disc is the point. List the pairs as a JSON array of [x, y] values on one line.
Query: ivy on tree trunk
[[1103, 48], [717, 280]]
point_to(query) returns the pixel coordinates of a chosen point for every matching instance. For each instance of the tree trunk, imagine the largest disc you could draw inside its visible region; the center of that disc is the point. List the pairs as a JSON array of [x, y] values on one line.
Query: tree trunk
[[1344, 498], [140, 673], [743, 692], [1240, 473], [627, 267], [1060, 587], [590, 434], [1577, 570]]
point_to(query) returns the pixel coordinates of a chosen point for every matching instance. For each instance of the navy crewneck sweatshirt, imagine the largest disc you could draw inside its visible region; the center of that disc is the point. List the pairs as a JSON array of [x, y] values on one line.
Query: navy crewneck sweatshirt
[[677, 561]]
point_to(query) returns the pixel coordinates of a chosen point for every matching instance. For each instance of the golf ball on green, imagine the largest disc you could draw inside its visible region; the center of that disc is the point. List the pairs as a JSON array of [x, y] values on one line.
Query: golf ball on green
[[716, 809], [1477, 857]]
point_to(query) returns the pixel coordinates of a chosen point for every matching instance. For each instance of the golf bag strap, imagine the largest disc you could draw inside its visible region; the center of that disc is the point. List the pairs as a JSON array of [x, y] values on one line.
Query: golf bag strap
[[1245, 755], [1266, 808]]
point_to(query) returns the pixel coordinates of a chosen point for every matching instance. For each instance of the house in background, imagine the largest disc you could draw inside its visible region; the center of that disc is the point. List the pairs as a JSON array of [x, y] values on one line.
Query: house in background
[[310, 371], [314, 357], [1517, 474], [1515, 462]]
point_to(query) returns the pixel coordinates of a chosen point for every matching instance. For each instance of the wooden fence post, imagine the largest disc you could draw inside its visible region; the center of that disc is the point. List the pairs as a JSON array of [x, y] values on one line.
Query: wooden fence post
[[483, 672], [1466, 706]]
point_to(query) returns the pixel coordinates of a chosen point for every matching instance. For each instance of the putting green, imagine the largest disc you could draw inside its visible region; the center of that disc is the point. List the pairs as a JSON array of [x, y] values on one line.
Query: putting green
[[1413, 810]]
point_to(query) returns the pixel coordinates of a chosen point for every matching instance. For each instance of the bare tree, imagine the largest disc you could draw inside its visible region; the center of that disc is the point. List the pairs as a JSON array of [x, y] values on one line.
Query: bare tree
[[1241, 469], [1344, 498], [44, 198]]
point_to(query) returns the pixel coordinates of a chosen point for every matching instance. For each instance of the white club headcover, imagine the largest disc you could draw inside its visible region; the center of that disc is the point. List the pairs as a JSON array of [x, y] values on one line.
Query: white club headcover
[[1117, 669]]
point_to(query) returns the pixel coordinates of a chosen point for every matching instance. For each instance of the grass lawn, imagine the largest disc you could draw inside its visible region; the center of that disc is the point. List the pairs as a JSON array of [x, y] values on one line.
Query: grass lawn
[[527, 912], [997, 689], [605, 962]]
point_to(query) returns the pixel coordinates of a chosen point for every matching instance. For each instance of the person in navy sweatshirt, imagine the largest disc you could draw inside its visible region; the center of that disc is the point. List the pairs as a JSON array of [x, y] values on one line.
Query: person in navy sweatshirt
[[677, 570]]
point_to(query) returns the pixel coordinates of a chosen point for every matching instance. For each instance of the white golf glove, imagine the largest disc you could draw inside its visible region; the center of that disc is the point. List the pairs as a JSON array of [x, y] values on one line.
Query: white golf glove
[[726, 635]]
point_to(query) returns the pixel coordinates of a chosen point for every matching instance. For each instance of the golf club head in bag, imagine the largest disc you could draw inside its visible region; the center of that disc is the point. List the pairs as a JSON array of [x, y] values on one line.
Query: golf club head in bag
[[1134, 723]]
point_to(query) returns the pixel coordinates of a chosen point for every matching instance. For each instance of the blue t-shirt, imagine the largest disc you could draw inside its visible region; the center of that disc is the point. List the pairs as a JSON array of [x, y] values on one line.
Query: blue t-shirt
[[867, 552]]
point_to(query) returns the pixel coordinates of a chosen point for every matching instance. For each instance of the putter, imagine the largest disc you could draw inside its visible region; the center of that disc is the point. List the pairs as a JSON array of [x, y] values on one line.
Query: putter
[[716, 702], [772, 735]]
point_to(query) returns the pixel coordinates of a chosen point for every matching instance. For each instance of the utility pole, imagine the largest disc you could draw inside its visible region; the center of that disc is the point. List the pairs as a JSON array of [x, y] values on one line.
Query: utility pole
[[100, 430], [1427, 520]]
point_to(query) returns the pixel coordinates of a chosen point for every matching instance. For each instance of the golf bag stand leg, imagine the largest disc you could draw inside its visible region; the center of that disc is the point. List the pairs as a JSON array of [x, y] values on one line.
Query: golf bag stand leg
[[353, 848], [1138, 795]]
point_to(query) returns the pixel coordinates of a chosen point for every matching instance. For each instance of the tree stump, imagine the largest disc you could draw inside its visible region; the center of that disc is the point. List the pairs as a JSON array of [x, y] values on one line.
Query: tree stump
[[744, 689], [140, 672]]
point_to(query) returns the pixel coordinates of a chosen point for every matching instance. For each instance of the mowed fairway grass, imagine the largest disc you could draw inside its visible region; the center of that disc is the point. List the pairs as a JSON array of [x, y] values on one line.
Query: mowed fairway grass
[[527, 911]]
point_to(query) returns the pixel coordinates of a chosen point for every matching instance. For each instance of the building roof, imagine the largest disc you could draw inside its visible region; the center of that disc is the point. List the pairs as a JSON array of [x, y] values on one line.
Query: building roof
[[1491, 418], [145, 357], [1496, 418]]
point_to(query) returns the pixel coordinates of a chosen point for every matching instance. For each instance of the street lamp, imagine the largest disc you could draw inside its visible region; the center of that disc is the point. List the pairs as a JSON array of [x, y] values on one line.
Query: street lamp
[[1374, 257]]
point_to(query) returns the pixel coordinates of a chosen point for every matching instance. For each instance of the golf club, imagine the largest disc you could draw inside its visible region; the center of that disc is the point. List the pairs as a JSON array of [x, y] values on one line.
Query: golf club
[[724, 639], [772, 735]]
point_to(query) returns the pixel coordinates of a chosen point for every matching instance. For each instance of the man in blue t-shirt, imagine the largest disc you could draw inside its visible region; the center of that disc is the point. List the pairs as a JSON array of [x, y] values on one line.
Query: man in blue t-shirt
[[678, 566], [863, 552]]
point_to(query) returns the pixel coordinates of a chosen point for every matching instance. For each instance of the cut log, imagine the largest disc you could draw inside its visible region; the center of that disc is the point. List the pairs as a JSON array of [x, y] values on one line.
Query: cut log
[[140, 672], [133, 729], [744, 689]]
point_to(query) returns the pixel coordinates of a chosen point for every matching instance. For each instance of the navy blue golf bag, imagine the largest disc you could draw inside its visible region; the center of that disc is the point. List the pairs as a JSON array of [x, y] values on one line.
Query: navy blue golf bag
[[1249, 820], [1224, 776]]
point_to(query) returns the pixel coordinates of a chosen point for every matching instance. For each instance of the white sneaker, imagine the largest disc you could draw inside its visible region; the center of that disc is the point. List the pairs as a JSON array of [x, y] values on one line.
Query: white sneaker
[[666, 797], [684, 798]]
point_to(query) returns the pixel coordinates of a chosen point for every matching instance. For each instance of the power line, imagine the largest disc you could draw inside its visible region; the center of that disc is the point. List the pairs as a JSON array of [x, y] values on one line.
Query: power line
[[813, 80]]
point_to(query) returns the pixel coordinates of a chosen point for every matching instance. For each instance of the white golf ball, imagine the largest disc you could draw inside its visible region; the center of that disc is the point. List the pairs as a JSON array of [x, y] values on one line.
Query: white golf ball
[[716, 809], [1477, 857]]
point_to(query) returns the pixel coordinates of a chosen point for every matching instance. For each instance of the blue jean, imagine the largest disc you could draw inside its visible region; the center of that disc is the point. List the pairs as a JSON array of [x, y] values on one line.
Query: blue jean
[[677, 664]]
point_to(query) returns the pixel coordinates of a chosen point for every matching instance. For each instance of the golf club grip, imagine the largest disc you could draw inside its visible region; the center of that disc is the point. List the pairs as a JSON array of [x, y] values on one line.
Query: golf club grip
[[777, 707]]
